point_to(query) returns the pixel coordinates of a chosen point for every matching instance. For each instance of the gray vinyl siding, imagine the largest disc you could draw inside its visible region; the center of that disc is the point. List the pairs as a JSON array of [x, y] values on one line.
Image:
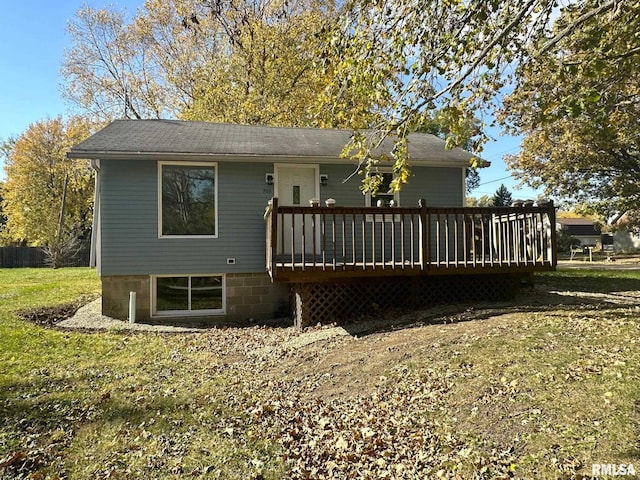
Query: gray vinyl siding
[[129, 236], [129, 215], [440, 186]]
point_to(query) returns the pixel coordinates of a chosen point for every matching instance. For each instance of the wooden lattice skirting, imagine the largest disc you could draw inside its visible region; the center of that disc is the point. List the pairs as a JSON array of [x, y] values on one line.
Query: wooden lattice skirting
[[339, 302]]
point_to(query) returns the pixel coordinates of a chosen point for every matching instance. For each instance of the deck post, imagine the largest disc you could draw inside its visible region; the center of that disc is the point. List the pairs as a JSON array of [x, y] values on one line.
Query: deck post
[[273, 233], [300, 297], [424, 237], [554, 240]]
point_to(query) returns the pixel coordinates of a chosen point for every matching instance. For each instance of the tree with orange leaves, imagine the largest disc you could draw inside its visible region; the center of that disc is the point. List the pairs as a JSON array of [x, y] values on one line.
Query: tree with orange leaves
[[47, 198]]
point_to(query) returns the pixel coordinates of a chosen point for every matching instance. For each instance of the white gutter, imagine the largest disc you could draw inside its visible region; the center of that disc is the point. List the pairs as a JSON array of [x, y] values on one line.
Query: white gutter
[[95, 225]]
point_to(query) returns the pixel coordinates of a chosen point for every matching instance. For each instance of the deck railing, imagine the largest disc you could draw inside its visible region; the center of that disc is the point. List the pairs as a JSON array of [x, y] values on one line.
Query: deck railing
[[309, 243]]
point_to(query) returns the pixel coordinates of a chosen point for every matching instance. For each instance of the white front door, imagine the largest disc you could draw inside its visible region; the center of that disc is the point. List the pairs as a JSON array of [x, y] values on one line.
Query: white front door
[[295, 186]]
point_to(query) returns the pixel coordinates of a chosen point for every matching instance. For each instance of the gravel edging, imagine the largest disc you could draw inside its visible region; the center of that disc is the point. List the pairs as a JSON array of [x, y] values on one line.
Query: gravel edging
[[89, 317]]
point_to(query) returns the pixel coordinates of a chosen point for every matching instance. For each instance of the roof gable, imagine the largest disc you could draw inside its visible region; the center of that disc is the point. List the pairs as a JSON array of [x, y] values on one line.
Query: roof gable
[[167, 138]]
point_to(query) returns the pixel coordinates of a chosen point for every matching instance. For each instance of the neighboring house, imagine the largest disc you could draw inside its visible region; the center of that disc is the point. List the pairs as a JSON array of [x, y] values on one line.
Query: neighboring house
[[626, 237], [589, 235], [626, 241], [184, 217], [582, 229]]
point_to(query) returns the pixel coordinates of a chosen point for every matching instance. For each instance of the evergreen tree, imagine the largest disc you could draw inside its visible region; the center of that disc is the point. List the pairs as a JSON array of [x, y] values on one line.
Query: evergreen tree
[[502, 197]]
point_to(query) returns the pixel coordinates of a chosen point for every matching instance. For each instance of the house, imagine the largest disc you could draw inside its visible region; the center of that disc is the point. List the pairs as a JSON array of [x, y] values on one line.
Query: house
[[225, 223], [626, 235], [582, 229]]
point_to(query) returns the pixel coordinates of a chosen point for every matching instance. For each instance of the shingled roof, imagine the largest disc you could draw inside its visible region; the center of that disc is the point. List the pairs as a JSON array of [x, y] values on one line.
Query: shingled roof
[[160, 139], [579, 226]]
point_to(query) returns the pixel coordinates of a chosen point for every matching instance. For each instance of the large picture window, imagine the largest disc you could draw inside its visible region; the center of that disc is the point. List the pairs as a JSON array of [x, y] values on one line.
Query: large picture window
[[187, 199], [188, 295]]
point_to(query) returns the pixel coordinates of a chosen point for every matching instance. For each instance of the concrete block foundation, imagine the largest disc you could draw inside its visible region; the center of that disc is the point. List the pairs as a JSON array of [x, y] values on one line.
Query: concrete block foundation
[[115, 296], [249, 297]]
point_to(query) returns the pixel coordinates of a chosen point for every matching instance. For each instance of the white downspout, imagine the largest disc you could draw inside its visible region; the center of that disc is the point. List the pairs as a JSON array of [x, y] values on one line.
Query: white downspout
[[95, 224]]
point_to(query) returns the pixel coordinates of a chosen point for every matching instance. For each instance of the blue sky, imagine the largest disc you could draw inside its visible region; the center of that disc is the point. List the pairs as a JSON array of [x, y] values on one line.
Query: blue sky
[[33, 37], [32, 41]]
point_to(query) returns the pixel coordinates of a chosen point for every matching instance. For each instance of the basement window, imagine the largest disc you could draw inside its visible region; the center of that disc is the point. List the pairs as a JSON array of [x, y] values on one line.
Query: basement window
[[188, 295]]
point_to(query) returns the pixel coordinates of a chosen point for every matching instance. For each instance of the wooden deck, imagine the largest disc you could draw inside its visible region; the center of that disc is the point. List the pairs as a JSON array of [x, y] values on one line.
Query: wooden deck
[[314, 244]]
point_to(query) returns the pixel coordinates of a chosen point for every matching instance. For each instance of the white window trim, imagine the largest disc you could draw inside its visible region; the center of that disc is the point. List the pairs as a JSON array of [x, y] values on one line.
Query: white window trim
[[186, 313], [388, 217], [213, 165]]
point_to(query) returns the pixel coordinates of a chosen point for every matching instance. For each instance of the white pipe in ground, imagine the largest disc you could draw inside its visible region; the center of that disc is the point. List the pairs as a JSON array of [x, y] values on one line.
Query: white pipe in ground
[[132, 307]]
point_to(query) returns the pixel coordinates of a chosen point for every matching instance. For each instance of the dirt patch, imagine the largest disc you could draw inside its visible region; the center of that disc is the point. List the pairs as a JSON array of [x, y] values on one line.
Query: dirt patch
[[49, 317], [495, 383], [348, 366], [342, 362]]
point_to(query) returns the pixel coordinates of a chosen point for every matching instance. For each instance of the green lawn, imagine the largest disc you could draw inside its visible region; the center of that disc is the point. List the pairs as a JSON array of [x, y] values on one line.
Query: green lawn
[[109, 405], [528, 391]]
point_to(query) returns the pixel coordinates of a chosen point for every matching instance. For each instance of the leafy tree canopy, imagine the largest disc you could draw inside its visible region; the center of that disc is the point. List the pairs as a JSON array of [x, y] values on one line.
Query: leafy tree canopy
[[37, 170], [237, 61], [454, 56], [267, 71], [483, 201], [578, 106]]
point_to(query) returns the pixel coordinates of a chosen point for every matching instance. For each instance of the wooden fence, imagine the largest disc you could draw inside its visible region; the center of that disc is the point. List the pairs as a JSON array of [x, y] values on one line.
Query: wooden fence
[[34, 257]]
